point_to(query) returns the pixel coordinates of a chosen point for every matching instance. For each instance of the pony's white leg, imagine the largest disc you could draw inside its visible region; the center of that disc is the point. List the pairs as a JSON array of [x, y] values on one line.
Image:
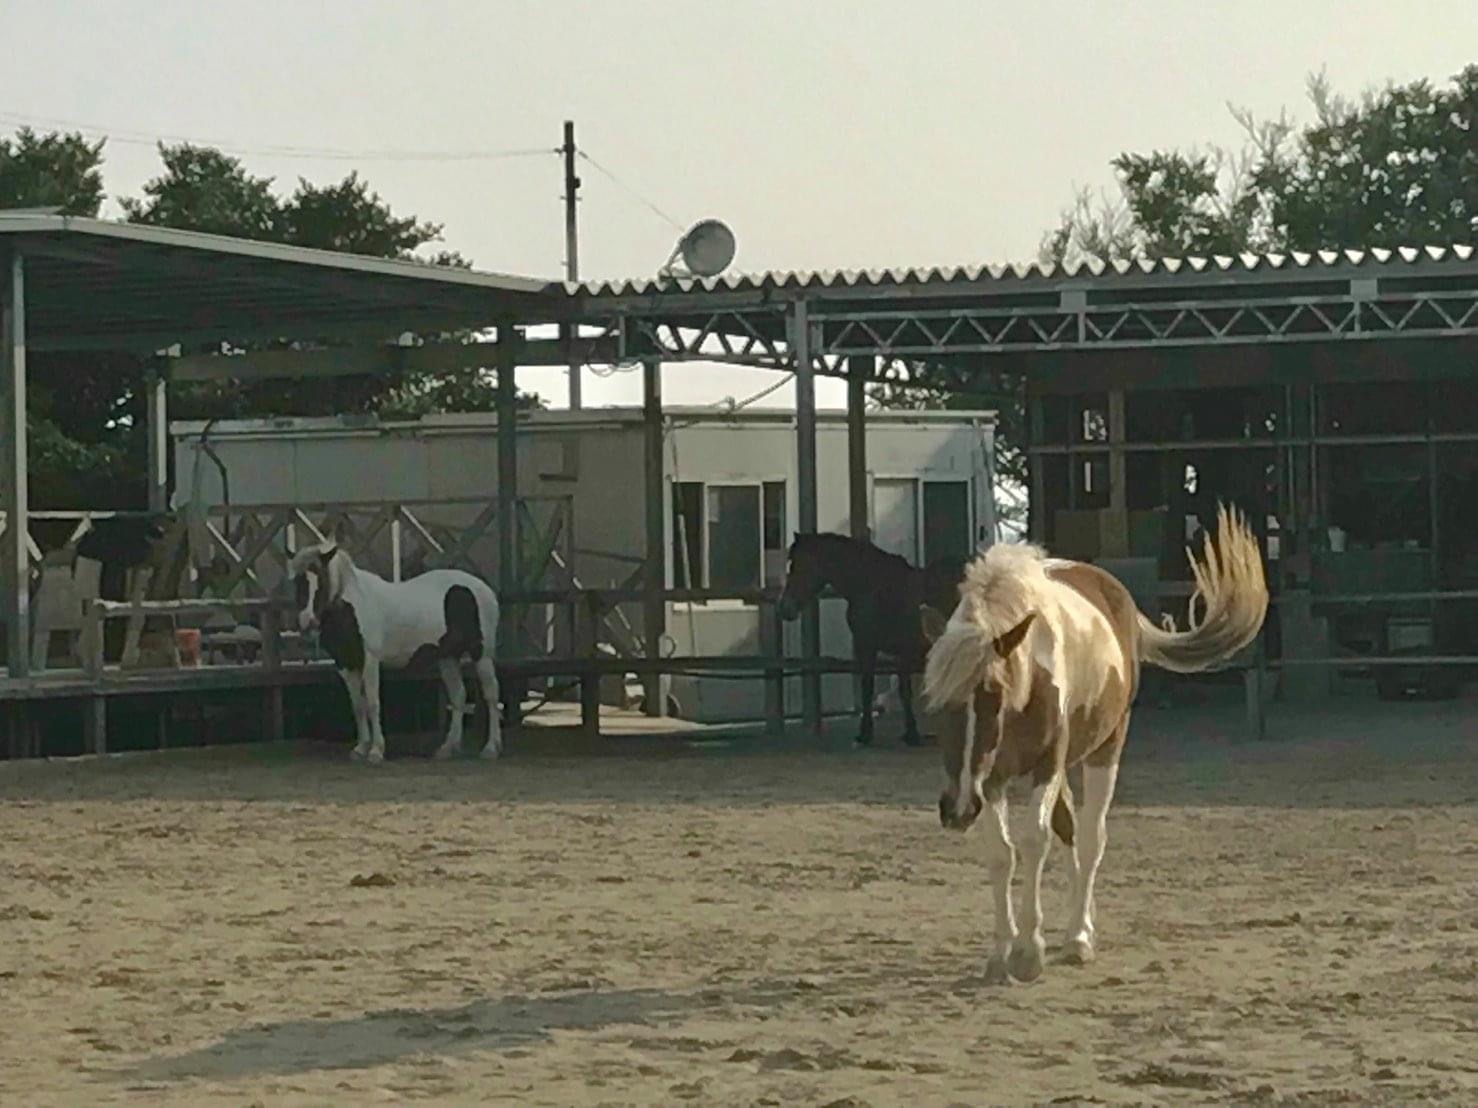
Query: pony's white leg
[[487, 679], [1000, 865], [1092, 837], [456, 696], [372, 709], [355, 686], [1025, 959]]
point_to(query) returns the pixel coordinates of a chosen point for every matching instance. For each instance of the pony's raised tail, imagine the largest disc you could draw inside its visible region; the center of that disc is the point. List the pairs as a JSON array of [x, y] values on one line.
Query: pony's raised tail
[[954, 665], [1230, 582]]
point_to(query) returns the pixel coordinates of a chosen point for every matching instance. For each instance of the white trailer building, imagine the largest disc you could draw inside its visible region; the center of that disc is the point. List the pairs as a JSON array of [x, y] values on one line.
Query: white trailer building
[[730, 502]]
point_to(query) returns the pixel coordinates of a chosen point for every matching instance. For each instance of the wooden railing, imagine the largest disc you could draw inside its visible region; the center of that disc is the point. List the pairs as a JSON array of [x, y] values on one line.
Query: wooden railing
[[245, 548]]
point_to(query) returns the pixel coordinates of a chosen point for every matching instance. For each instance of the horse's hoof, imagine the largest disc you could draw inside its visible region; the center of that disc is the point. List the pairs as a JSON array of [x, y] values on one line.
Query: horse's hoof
[[356, 755], [491, 751], [995, 971], [445, 752], [1077, 952], [1025, 962], [376, 757]]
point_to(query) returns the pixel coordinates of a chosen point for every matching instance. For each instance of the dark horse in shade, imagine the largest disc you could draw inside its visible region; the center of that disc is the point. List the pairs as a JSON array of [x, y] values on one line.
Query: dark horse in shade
[[883, 593]]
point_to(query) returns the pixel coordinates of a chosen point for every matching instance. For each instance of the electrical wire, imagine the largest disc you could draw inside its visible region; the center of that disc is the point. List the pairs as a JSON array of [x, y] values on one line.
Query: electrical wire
[[632, 191], [130, 136]]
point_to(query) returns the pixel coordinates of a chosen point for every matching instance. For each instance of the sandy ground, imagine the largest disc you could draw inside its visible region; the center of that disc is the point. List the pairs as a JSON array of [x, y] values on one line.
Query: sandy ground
[[1289, 922]]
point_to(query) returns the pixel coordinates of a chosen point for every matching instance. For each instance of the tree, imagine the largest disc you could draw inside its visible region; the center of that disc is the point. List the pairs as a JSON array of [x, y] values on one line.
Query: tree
[[1397, 167], [76, 452], [86, 416], [51, 171], [203, 189]]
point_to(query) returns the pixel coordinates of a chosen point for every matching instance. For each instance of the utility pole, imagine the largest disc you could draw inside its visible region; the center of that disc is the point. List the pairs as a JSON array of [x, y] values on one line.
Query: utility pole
[[572, 252]]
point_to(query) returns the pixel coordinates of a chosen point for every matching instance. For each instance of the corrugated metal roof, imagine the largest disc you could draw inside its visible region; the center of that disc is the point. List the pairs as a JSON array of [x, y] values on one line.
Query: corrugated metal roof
[[23, 222], [1299, 263], [97, 283]]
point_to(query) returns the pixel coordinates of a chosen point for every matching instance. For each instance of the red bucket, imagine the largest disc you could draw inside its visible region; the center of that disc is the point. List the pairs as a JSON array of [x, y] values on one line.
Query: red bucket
[[187, 639]]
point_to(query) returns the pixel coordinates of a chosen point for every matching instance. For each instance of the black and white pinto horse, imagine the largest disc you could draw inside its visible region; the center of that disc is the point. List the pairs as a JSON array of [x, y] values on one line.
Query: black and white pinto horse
[[883, 592], [366, 622]]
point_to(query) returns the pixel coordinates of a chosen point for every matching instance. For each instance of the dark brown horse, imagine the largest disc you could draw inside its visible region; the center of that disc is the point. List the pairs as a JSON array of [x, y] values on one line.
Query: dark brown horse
[[883, 594]]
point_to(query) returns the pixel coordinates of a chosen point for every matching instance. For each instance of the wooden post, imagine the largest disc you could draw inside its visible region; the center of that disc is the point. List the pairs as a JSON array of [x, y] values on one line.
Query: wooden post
[[19, 735], [570, 331], [1118, 434], [272, 663], [1255, 690], [157, 415], [772, 645], [508, 342], [15, 559], [654, 611], [1036, 508], [90, 644], [801, 346], [95, 723], [588, 625], [859, 372]]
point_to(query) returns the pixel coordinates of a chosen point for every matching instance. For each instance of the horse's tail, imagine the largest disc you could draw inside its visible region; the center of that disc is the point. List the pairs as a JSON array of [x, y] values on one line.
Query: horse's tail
[[1231, 584]]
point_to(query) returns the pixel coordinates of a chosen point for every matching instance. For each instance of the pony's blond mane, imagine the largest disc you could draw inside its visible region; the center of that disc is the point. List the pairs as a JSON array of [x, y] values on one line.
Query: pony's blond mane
[[1001, 587]]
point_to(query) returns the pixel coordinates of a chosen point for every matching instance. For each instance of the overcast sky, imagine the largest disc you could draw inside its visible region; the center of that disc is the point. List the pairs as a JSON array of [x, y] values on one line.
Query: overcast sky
[[828, 134]]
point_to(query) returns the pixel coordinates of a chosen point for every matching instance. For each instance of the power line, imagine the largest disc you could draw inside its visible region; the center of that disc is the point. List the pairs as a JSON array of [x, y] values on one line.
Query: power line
[[631, 190], [132, 137]]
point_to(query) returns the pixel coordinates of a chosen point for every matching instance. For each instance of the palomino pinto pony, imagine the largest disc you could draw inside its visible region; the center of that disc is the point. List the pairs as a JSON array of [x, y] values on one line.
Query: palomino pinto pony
[[883, 594], [367, 622], [1034, 673]]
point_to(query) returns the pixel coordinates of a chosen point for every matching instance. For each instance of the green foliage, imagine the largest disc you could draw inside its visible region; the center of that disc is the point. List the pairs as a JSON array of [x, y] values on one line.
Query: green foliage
[[1398, 167], [204, 190], [51, 171], [350, 218], [86, 415], [430, 394]]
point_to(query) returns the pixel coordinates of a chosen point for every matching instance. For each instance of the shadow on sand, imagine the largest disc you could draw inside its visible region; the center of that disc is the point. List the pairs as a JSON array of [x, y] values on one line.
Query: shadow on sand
[[388, 1036]]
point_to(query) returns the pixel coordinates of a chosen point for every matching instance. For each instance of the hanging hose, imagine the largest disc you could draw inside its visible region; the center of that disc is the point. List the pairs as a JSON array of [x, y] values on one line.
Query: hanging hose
[[210, 452]]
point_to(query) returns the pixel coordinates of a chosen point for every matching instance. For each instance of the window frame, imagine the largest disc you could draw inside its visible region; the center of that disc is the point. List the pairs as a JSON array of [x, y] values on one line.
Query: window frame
[[705, 568], [919, 480]]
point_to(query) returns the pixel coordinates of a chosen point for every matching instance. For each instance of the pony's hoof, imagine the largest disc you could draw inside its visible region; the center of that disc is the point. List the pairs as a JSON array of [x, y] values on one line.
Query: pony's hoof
[[357, 754], [445, 752], [1025, 962], [375, 757], [1077, 952], [491, 751], [995, 971]]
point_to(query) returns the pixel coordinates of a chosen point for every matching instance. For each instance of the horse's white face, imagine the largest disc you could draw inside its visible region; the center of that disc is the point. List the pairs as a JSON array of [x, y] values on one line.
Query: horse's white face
[[307, 596], [971, 731], [313, 588]]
